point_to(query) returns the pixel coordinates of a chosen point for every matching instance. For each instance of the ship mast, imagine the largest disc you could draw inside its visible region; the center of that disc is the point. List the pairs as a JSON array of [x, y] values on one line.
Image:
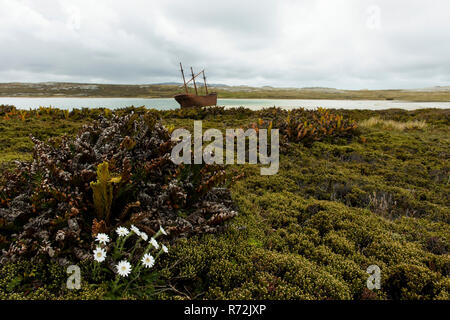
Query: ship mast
[[204, 79], [193, 78], [184, 80]]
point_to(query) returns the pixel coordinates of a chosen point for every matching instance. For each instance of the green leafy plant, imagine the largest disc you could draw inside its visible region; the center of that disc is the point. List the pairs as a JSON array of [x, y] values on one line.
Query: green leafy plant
[[103, 191]]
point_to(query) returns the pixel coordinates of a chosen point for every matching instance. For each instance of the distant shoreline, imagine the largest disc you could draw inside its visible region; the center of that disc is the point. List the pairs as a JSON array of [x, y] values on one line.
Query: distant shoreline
[[156, 91], [69, 103], [233, 97]]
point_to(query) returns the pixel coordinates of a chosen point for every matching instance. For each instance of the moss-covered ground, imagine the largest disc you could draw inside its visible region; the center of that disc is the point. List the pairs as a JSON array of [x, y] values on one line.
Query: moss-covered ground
[[308, 232]]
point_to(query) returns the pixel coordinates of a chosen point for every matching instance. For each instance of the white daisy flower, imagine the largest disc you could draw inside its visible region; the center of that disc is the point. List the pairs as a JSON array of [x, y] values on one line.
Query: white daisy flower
[[102, 238], [123, 268], [135, 229], [99, 254], [154, 243], [161, 229], [143, 235], [147, 260], [122, 231], [165, 249]]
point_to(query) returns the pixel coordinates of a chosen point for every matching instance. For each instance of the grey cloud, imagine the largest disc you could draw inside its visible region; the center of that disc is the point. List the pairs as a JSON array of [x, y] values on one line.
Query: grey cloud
[[279, 43]]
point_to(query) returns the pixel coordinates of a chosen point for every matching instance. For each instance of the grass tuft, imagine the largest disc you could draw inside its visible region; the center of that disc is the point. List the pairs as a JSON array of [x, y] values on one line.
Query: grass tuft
[[392, 124]]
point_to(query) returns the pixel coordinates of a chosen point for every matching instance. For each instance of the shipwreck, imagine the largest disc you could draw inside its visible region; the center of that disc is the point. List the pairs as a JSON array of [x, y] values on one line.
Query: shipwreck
[[188, 100]]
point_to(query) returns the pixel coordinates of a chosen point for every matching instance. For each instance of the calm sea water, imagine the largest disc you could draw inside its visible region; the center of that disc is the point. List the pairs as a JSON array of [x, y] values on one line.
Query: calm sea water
[[166, 104]]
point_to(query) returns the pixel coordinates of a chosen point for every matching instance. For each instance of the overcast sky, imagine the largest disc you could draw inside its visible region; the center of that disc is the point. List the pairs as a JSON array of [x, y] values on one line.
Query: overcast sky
[[349, 44]]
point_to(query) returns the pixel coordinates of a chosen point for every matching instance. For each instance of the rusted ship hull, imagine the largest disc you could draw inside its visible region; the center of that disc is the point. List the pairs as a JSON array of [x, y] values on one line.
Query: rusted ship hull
[[192, 100]]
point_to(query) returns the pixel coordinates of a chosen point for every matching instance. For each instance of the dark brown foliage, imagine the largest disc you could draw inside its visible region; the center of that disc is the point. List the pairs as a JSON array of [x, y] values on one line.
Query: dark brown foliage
[[47, 206]]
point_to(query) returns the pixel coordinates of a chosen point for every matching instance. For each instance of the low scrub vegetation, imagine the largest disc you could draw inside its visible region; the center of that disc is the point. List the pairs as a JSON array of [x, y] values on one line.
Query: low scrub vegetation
[[115, 171], [339, 203]]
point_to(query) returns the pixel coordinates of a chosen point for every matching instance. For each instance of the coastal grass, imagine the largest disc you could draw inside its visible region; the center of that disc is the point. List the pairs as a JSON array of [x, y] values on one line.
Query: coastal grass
[[392, 124]]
